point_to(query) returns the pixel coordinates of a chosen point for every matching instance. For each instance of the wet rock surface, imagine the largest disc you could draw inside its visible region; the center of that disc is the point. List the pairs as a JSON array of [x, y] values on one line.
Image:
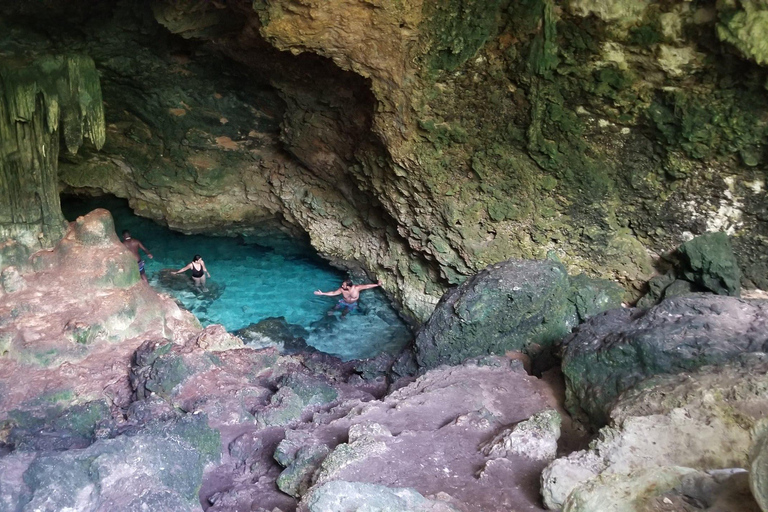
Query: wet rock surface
[[612, 352], [516, 305]]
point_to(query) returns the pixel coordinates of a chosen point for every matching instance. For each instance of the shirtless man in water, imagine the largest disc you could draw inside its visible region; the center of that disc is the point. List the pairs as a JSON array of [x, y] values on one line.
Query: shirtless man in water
[[134, 245], [350, 293]]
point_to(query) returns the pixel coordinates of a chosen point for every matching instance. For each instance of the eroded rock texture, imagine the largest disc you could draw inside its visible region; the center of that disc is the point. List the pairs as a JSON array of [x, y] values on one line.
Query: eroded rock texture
[[43, 100], [660, 432], [613, 352], [422, 141]]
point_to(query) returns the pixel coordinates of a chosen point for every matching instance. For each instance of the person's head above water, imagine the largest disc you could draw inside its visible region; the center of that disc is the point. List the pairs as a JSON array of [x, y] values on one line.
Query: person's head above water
[[126, 235], [197, 257], [346, 284]]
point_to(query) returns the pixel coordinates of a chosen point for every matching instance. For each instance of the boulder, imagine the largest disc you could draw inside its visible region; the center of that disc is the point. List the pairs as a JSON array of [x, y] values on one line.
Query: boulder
[[704, 264], [275, 331], [429, 436], [699, 420], [758, 465], [664, 488], [535, 438], [708, 261], [614, 351], [338, 495], [516, 305], [160, 469]]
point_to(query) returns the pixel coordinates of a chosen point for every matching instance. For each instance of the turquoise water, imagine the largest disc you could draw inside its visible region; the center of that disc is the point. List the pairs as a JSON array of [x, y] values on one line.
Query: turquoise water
[[252, 281]]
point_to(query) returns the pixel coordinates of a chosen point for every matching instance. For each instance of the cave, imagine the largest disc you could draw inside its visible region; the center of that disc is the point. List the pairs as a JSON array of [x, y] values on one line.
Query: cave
[[555, 211]]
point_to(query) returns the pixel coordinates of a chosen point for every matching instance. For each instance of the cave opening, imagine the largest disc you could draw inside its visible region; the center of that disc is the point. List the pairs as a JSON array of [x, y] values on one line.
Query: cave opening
[[257, 280]]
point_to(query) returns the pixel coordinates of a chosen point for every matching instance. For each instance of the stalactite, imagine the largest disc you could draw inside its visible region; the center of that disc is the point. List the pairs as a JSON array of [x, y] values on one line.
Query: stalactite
[[42, 101]]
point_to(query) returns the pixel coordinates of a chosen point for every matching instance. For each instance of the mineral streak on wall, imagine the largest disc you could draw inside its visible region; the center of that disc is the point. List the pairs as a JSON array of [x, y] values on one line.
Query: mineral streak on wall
[[43, 99]]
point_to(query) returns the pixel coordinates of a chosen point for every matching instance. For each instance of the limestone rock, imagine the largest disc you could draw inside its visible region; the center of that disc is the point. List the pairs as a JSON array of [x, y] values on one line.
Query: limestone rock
[[663, 488], [612, 352], [535, 438], [275, 331], [744, 24], [427, 436], [708, 261], [758, 465], [699, 420], [45, 99], [339, 495], [215, 338], [160, 469], [517, 305]]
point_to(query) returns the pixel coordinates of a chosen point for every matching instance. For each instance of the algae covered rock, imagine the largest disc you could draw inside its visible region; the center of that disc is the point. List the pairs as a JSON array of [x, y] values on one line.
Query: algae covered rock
[[340, 495], [708, 261], [159, 469], [516, 305], [612, 352], [45, 99], [275, 331]]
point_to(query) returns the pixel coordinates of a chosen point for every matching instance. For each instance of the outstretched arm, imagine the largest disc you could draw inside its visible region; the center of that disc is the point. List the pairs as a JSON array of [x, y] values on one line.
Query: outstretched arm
[[369, 286], [335, 292], [149, 254], [183, 269]]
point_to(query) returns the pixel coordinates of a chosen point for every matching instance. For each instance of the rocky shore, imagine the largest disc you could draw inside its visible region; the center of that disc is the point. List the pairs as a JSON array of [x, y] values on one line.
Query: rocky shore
[[131, 405]]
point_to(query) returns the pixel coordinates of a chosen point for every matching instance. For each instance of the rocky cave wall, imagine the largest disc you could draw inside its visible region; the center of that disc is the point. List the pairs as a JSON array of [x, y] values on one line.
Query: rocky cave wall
[[421, 141], [42, 99]]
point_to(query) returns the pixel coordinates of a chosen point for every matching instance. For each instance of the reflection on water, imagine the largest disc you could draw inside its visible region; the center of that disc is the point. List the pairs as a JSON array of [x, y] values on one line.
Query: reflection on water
[[253, 281]]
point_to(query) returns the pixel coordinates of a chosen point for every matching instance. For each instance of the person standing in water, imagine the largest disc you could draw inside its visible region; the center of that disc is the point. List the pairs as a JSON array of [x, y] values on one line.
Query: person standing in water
[[198, 271], [134, 245], [350, 294]]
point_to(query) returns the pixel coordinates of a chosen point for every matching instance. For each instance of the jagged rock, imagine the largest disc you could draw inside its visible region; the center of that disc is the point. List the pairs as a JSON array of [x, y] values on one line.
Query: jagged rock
[[427, 435], [215, 338], [743, 24], [708, 261], [516, 305], [612, 352], [275, 331], [663, 488], [45, 99], [160, 469], [339, 495], [300, 470], [57, 427], [364, 442], [758, 465], [12, 280], [535, 438], [698, 420], [296, 393]]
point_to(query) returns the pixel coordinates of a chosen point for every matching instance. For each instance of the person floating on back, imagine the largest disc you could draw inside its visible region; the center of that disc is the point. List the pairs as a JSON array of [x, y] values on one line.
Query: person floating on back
[[134, 245], [198, 272], [350, 293]]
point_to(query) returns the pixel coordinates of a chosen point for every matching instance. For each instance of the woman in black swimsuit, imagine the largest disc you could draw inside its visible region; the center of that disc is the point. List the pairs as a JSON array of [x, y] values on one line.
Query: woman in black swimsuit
[[198, 271]]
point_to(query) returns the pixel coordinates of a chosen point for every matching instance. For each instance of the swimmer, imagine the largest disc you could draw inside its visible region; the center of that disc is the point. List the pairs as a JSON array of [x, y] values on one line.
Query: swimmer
[[134, 245], [198, 272], [350, 294]]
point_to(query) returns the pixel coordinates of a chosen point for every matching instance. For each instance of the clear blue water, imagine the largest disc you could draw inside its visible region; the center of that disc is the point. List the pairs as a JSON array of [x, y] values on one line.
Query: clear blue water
[[253, 281]]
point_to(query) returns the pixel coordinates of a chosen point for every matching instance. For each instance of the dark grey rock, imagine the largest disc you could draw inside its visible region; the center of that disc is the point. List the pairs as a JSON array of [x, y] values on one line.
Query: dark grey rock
[[275, 331], [159, 469], [708, 261], [517, 305], [612, 352]]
